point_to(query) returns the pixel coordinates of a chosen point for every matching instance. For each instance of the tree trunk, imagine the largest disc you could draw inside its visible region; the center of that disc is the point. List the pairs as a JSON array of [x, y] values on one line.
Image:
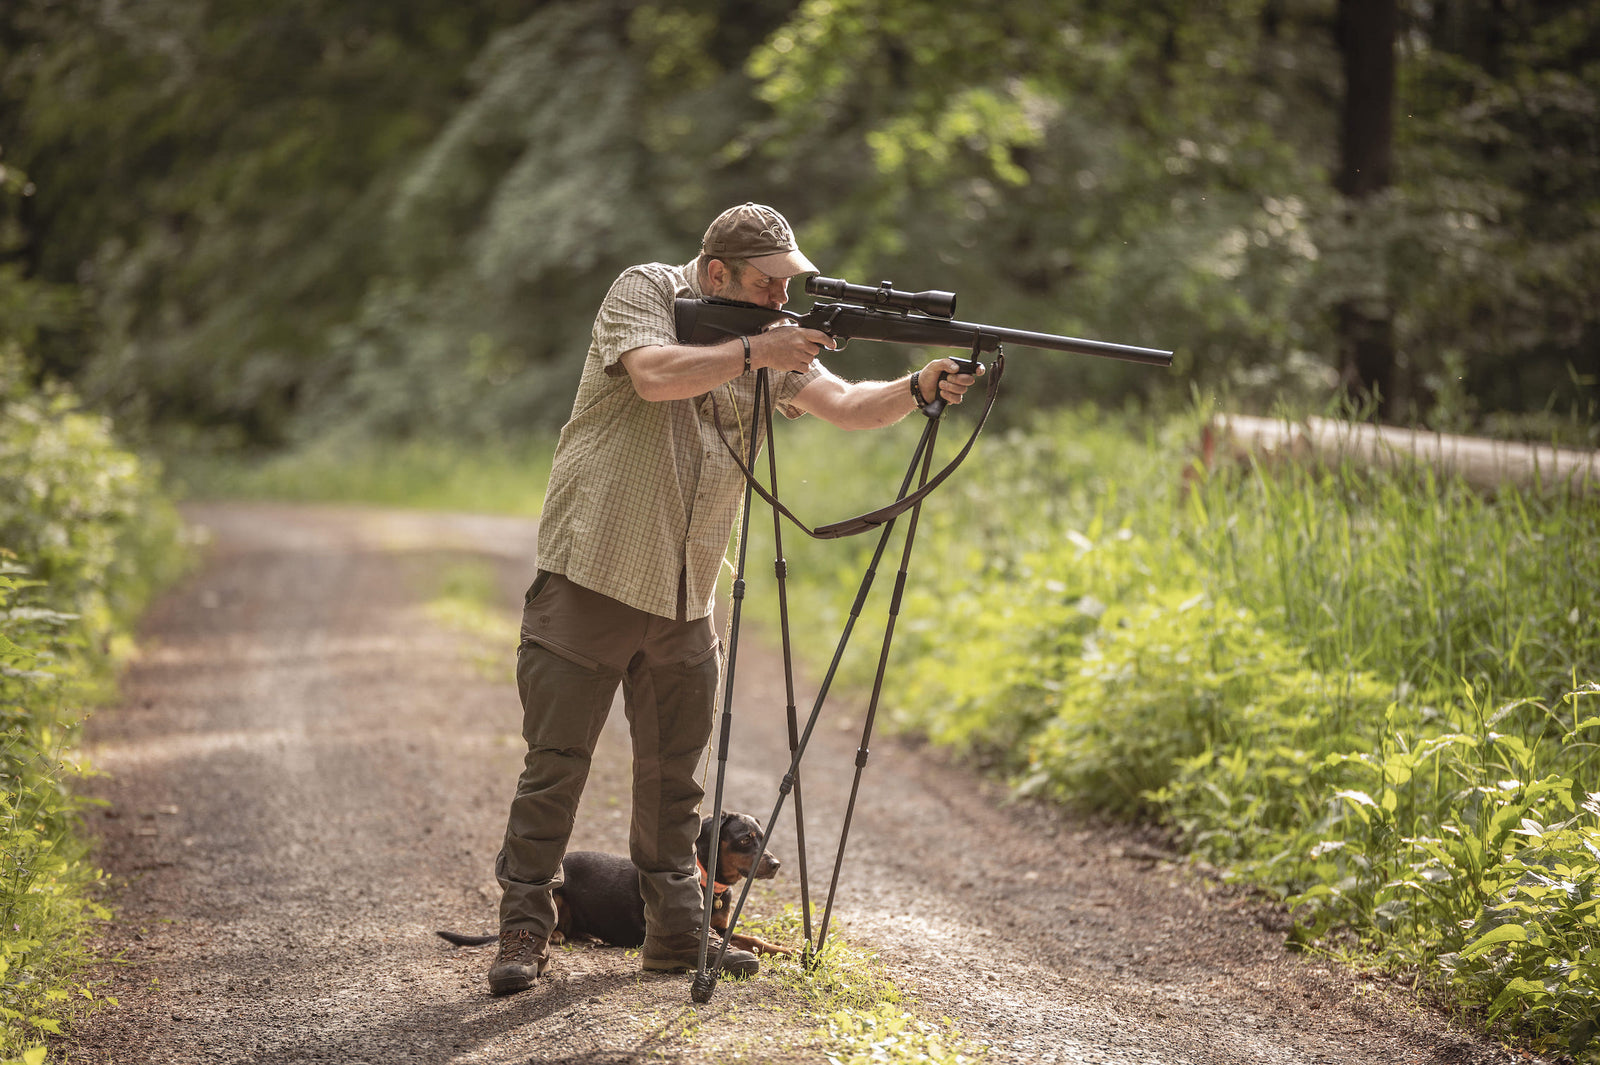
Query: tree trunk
[[1366, 34]]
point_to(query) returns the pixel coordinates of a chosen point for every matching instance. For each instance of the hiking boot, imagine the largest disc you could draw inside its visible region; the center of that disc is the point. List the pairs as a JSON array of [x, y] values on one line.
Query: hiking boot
[[681, 954], [523, 958]]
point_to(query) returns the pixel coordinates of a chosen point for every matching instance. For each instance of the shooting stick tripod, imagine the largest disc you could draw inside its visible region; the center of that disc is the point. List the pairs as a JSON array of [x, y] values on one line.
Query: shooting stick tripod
[[705, 979]]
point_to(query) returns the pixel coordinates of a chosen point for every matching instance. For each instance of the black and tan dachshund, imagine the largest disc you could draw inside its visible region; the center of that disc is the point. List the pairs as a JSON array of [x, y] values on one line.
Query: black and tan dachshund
[[600, 898]]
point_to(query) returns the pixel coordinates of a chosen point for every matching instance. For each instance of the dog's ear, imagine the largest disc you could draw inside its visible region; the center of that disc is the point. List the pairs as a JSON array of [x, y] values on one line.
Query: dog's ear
[[702, 846]]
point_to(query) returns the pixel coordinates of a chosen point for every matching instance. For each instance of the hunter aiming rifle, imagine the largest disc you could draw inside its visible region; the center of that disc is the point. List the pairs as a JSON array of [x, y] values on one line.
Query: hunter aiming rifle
[[847, 312]]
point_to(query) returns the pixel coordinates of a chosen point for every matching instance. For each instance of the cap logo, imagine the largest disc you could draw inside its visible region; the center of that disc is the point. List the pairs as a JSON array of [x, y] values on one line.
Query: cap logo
[[778, 233]]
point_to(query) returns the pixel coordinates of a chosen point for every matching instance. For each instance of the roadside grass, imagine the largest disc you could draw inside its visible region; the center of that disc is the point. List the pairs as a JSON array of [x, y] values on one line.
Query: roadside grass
[[465, 599], [1371, 694], [863, 1017], [85, 538], [503, 478]]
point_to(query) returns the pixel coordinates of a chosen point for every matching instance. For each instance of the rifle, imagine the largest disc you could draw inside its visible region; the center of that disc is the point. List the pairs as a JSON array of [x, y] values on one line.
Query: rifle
[[850, 312], [884, 313]]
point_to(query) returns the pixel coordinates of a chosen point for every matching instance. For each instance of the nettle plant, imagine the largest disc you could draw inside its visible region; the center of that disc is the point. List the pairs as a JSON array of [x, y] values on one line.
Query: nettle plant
[[1478, 852]]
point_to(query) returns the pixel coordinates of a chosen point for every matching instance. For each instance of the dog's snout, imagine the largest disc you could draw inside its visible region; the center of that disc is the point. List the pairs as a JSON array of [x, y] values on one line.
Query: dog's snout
[[768, 867]]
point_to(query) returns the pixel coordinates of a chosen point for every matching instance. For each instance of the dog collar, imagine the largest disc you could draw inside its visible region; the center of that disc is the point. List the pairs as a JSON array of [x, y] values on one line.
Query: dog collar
[[719, 888]]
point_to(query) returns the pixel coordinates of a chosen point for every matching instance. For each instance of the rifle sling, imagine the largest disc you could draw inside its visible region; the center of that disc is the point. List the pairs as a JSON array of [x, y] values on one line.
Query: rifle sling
[[872, 519]]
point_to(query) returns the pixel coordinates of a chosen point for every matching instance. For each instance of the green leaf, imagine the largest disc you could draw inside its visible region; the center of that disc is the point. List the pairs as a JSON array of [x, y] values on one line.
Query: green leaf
[[1518, 988], [1506, 933], [1356, 797]]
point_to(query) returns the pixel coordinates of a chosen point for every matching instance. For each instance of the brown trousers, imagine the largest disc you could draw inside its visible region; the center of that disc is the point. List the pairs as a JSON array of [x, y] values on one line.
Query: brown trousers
[[577, 646]]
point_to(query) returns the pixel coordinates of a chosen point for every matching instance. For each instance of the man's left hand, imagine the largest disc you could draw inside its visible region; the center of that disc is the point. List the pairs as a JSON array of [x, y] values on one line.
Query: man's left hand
[[940, 377]]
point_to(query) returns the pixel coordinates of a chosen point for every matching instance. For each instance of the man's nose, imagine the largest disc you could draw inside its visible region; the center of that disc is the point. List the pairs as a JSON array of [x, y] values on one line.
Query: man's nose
[[780, 292]]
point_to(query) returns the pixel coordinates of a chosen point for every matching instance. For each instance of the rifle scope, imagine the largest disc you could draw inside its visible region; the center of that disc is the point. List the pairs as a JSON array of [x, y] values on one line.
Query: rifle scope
[[933, 302]]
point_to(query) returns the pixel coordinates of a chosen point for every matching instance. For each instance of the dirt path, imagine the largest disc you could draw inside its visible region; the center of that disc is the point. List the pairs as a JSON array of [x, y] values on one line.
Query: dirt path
[[308, 776]]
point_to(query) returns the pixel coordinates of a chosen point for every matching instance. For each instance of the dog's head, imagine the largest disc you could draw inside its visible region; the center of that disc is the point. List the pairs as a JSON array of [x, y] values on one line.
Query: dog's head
[[738, 848]]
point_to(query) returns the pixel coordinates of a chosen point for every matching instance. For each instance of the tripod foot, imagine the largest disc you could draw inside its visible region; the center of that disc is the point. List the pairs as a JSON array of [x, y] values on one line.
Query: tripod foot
[[704, 983]]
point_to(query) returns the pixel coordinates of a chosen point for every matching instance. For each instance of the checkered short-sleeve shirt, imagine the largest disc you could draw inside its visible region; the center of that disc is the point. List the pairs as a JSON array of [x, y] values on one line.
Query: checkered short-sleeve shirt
[[642, 491]]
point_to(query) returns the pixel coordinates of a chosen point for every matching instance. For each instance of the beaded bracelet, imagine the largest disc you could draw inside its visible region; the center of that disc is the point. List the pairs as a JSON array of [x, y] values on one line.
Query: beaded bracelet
[[746, 342], [916, 390]]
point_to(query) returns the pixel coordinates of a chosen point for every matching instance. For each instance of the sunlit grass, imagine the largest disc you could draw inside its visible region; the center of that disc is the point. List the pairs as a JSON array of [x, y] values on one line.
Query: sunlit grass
[[863, 1016], [504, 478]]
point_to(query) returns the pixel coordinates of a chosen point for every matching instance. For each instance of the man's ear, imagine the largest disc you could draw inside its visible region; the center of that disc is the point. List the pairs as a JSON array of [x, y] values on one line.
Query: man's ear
[[716, 276]]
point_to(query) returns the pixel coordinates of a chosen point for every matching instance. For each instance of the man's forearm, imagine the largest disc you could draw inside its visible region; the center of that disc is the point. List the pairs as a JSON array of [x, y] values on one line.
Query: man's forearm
[[875, 404], [683, 371], [856, 404]]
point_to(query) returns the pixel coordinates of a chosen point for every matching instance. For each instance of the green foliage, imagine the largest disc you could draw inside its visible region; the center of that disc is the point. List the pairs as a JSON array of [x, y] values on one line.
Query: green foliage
[[358, 215], [1355, 690], [1162, 176], [47, 885], [179, 147], [1131, 175], [253, 225], [84, 536], [1467, 854], [1531, 952], [26, 305], [510, 216]]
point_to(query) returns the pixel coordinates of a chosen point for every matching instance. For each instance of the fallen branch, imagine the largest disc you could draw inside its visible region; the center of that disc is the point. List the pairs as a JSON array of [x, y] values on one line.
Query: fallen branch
[[1484, 464]]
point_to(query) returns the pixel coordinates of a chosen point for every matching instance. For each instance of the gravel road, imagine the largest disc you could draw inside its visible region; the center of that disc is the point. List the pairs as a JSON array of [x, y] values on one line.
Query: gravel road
[[308, 775]]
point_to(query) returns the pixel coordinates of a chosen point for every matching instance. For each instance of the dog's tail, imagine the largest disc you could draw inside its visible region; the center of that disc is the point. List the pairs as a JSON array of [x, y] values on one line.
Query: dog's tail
[[466, 941]]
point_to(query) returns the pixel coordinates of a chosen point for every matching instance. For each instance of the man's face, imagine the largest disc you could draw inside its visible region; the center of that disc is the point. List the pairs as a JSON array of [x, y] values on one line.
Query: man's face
[[752, 287]]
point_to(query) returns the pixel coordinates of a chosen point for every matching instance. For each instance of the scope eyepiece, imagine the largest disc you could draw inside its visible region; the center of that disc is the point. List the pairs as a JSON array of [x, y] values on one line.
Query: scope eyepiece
[[932, 302]]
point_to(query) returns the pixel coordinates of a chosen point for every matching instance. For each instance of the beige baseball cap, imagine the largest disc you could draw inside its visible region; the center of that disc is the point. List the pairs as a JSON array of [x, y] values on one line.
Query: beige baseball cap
[[759, 235]]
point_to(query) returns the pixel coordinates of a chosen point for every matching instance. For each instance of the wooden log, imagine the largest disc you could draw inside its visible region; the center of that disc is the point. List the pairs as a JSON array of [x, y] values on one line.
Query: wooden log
[[1484, 464]]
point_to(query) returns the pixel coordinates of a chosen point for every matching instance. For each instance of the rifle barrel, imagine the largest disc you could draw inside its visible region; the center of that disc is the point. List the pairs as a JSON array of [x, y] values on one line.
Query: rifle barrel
[[870, 324], [1025, 338]]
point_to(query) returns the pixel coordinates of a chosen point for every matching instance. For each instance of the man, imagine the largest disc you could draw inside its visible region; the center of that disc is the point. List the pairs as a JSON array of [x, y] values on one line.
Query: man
[[642, 499]]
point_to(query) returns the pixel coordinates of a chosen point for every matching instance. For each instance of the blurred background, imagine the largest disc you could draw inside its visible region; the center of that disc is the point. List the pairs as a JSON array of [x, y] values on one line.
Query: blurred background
[[352, 249], [239, 227]]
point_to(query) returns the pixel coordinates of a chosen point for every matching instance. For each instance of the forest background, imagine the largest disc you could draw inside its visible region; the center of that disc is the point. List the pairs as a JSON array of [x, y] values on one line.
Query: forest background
[[281, 235], [245, 225]]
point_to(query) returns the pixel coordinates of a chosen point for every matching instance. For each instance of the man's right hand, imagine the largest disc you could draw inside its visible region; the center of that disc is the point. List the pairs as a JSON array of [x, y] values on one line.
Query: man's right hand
[[788, 348]]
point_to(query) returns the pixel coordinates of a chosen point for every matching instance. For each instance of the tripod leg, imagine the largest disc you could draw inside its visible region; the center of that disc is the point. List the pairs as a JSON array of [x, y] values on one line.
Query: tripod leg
[[862, 751], [780, 568], [924, 448], [705, 979]]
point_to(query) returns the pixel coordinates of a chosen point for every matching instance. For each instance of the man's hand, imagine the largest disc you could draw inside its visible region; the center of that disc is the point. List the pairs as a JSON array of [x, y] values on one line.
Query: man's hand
[[788, 348], [953, 385]]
